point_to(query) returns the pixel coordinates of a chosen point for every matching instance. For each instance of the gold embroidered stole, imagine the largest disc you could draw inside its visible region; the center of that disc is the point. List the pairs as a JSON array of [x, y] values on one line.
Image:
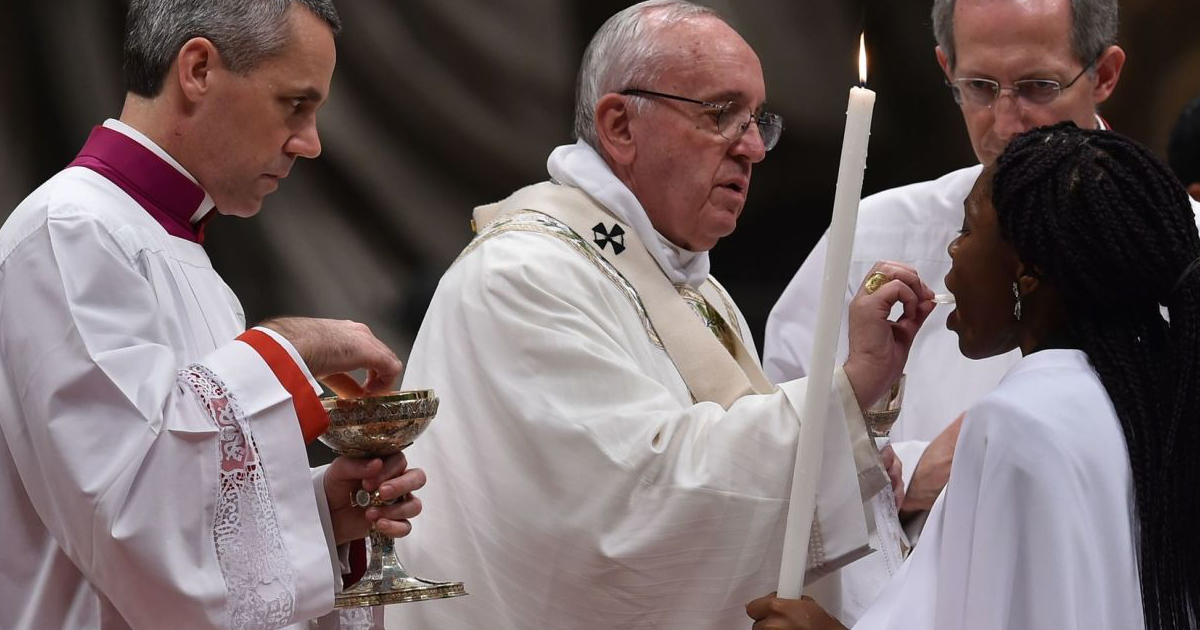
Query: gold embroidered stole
[[715, 365]]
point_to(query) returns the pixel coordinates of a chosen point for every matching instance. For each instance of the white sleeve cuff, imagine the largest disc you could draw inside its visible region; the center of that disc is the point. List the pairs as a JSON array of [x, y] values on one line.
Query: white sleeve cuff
[[339, 557]]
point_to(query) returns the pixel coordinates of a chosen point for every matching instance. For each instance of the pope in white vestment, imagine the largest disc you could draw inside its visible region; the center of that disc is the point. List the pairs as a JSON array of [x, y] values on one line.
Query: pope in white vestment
[[154, 474], [575, 483]]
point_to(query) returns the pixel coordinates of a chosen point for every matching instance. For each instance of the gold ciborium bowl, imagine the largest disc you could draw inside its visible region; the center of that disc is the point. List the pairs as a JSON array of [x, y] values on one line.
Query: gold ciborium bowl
[[377, 427]]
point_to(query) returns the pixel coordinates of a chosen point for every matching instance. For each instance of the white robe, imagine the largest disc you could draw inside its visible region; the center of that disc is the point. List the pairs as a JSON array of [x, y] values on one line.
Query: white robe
[[573, 483], [1035, 529], [124, 501]]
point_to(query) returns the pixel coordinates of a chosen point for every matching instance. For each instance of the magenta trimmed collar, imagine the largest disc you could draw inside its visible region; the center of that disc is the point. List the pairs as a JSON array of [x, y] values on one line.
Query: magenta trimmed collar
[[165, 193]]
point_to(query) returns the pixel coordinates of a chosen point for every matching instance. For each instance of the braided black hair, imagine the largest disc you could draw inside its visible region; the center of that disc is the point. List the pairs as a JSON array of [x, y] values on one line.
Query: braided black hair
[[1108, 225]]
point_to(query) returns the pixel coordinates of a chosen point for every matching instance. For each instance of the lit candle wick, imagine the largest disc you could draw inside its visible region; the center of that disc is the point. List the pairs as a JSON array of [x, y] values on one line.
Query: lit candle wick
[[862, 60]]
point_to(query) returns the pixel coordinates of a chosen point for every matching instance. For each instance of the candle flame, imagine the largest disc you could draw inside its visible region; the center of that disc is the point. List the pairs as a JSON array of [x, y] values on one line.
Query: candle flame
[[862, 59]]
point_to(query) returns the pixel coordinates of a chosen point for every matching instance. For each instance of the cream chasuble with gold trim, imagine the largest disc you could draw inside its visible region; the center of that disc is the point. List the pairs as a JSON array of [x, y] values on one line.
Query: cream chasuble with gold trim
[[577, 478]]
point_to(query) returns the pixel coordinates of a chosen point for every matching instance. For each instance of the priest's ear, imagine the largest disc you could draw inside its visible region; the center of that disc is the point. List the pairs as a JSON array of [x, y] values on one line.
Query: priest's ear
[[1108, 70], [944, 62], [613, 116], [197, 59]]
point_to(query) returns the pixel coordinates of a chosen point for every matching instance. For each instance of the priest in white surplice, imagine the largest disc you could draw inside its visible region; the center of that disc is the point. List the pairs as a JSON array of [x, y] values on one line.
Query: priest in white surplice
[[153, 460], [608, 453]]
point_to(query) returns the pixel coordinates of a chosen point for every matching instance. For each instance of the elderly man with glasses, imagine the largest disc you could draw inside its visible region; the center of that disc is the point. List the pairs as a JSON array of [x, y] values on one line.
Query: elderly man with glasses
[[1011, 66], [609, 452]]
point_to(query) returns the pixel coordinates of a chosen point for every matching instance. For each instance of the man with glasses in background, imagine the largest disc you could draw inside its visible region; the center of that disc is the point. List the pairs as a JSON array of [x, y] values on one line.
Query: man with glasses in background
[[609, 452], [1011, 65]]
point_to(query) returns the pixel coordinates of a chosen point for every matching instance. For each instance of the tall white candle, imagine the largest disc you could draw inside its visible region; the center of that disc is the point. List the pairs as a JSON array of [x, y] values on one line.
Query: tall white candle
[[809, 451]]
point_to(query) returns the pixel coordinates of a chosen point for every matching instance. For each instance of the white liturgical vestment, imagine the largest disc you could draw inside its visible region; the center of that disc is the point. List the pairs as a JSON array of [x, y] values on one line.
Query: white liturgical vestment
[[1035, 530], [154, 471], [573, 480]]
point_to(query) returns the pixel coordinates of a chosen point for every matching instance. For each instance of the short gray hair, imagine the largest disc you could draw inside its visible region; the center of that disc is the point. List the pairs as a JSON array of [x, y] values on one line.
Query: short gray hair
[[626, 53], [1093, 28], [244, 32]]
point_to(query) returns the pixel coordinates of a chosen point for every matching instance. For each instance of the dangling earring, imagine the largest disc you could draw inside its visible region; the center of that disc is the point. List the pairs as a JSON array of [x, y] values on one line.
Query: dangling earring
[[1017, 308]]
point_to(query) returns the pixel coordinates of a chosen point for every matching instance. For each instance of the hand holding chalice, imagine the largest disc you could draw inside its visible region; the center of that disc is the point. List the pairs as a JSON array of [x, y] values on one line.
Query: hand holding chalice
[[377, 427]]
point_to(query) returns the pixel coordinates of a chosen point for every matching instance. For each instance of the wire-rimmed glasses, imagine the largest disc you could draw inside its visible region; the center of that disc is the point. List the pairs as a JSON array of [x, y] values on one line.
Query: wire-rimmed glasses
[[733, 118], [985, 92]]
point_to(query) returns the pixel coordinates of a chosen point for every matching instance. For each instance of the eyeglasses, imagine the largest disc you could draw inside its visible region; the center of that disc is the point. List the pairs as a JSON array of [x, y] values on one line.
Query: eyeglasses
[[984, 92], [732, 118]]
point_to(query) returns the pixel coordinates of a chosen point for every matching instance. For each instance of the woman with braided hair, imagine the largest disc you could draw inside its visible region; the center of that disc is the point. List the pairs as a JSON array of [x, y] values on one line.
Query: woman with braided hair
[[1076, 482]]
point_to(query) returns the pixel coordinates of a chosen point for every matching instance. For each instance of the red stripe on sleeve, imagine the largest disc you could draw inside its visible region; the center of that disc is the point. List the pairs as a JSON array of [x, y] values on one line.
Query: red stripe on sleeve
[[312, 416]]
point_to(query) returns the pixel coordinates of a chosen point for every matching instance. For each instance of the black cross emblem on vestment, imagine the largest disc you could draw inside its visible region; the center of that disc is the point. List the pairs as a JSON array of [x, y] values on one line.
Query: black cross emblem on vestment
[[615, 237]]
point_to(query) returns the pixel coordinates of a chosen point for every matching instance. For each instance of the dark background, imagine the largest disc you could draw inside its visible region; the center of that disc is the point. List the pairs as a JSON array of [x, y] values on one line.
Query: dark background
[[441, 105]]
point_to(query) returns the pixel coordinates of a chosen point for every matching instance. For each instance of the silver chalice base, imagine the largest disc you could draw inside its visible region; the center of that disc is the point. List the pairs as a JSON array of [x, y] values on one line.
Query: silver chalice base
[[377, 427]]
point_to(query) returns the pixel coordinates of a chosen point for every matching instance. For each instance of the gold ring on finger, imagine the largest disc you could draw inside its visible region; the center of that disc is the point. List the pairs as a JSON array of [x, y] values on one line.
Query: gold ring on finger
[[874, 281]]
